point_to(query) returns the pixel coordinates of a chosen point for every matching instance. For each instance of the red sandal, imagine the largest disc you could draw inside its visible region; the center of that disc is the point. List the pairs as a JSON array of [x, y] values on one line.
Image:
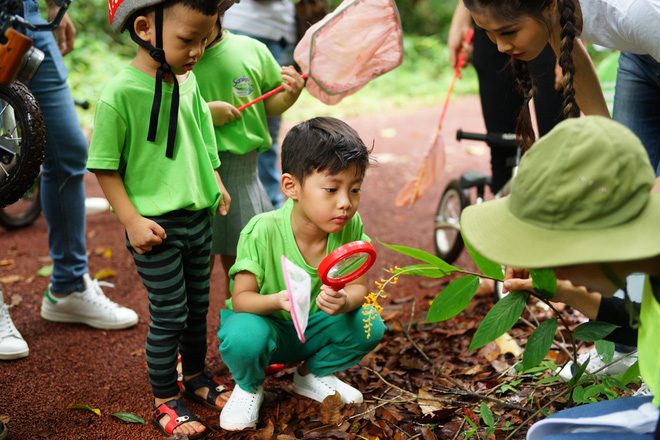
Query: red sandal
[[179, 414]]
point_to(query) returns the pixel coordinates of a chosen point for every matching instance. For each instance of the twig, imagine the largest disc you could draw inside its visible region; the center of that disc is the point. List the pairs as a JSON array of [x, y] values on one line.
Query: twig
[[388, 383], [418, 348], [486, 398], [460, 428], [412, 313]]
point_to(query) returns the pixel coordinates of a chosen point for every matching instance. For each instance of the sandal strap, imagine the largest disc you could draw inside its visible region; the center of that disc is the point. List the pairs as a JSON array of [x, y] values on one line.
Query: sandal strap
[[178, 412], [205, 380]]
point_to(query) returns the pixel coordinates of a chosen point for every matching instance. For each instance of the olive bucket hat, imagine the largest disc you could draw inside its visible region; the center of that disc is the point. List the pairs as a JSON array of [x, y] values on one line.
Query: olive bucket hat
[[582, 195]]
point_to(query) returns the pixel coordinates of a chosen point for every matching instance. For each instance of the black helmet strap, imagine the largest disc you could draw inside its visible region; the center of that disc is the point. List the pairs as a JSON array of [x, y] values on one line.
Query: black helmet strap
[[158, 54]]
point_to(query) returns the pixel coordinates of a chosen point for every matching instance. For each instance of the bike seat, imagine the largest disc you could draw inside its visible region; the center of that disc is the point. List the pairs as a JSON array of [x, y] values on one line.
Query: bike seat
[[474, 178]]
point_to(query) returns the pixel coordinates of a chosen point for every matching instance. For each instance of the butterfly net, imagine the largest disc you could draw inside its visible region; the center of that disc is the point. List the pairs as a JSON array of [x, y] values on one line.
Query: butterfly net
[[359, 41]]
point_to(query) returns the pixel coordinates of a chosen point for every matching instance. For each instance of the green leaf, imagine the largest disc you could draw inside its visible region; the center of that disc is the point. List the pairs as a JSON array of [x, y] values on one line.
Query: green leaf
[[453, 298], [487, 415], [424, 256], [630, 374], [550, 379], [539, 343], [489, 268], [85, 407], [426, 270], [45, 271], [605, 350], [593, 330], [128, 417], [578, 394], [544, 282], [499, 319]]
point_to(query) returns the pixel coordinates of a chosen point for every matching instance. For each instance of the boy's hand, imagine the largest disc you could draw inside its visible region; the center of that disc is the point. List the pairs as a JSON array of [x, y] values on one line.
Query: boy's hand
[[223, 113], [331, 301], [283, 300], [144, 234], [293, 84], [225, 198]]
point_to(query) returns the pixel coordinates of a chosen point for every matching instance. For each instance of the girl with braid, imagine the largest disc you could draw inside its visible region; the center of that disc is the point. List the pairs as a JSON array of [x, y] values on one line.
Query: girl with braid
[[522, 28]]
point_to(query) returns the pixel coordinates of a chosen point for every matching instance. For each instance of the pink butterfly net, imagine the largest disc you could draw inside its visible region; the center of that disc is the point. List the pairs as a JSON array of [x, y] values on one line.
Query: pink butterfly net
[[357, 42]]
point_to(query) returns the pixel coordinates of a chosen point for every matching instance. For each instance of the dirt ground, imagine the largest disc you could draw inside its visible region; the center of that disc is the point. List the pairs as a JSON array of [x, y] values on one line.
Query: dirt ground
[[75, 364]]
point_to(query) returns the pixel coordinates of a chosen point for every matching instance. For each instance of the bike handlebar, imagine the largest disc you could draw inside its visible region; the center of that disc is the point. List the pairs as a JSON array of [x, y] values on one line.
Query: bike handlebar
[[493, 139]]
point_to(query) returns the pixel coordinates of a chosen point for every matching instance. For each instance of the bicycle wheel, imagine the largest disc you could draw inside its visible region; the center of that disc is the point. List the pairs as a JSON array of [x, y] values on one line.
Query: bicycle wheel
[[22, 132], [447, 234], [25, 211]]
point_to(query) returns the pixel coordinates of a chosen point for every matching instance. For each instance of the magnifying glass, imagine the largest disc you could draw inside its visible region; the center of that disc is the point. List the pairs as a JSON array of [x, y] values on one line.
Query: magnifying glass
[[346, 263]]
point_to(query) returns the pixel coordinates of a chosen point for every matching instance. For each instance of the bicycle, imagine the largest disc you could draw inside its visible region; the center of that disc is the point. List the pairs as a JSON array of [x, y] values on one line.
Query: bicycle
[[22, 132], [457, 196]]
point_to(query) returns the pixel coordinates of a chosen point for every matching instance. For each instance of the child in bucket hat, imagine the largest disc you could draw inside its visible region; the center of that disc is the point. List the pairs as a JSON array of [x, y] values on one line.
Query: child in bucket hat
[[582, 205]]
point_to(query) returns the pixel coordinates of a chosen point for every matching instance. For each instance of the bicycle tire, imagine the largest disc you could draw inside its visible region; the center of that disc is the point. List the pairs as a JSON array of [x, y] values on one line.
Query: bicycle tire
[[25, 210], [21, 120], [446, 234]]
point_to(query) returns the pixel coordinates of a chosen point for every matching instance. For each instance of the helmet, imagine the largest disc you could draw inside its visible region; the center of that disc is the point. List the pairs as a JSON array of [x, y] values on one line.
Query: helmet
[[119, 11]]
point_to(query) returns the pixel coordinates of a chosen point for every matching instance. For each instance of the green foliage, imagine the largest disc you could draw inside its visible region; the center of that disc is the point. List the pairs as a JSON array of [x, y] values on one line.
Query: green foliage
[[489, 268], [453, 299], [544, 282], [129, 417], [593, 330], [504, 314], [539, 343]]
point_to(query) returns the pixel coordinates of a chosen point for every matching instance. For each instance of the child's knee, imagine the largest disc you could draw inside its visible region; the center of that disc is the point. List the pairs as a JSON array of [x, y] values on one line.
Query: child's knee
[[244, 335]]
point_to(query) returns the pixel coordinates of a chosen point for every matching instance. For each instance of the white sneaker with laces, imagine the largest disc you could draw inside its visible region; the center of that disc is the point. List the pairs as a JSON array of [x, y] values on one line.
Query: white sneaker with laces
[[320, 387], [242, 409], [12, 344], [620, 363], [90, 307]]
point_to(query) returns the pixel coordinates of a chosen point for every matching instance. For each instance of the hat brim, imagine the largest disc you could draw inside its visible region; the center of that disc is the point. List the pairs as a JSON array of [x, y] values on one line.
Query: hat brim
[[500, 236]]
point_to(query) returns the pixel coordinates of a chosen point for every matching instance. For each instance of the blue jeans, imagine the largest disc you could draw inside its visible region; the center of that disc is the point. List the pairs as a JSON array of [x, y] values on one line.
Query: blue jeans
[[62, 186], [269, 174], [637, 101], [600, 409]]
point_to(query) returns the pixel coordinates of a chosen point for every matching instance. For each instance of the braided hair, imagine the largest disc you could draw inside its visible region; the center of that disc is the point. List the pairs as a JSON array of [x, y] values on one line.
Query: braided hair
[[511, 10]]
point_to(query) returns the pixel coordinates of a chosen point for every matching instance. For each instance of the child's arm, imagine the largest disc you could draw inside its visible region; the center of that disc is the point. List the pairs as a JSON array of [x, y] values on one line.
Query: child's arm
[[225, 199], [142, 233], [279, 102], [346, 300], [223, 113], [245, 297]]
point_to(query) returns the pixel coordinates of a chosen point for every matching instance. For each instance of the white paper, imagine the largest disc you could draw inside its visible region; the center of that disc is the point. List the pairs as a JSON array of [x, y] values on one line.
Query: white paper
[[299, 285]]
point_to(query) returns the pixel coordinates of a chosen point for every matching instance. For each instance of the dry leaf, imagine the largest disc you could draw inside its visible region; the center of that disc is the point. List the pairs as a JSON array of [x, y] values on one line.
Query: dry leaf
[[330, 410], [10, 279], [45, 433], [4, 418], [6, 262], [508, 345], [266, 433], [475, 150], [104, 273], [16, 299], [426, 402]]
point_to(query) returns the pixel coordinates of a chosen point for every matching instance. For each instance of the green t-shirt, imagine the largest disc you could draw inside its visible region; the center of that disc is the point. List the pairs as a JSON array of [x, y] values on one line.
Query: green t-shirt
[[648, 338], [237, 70], [267, 237], [154, 183]]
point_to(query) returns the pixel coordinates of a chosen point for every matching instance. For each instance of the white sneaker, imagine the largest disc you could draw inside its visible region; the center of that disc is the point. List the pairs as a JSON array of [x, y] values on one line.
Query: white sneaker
[[242, 409], [96, 205], [12, 344], [320, 387], [90, 307], [620, 363], [643, 390]]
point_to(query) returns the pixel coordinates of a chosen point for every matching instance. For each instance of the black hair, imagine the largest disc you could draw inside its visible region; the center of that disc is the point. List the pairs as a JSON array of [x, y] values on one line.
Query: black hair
[[512, 10], [206, 7], [323, 144]]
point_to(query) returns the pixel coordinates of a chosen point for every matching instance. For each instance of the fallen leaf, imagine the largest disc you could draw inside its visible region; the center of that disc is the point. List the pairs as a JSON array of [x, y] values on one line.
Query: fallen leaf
[[4, 418], [45, 271], [85, 407], [104, 273], [10, 279], [6, 262], [426, 404], [387, 132], [329, 412], [266, 433], [45, 433], [128, 417], [475, 150], [16, 299]]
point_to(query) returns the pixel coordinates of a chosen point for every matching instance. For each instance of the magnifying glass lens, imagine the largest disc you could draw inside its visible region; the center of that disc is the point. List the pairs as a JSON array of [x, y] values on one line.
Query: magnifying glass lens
[[348, 265]]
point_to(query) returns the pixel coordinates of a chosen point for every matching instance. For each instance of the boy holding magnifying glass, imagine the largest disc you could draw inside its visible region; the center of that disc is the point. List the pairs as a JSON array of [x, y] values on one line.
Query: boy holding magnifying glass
[[323, 165]]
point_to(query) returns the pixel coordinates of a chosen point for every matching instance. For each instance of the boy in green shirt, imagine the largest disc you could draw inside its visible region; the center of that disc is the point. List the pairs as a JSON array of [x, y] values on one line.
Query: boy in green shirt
[[162, 184], [323, 164]]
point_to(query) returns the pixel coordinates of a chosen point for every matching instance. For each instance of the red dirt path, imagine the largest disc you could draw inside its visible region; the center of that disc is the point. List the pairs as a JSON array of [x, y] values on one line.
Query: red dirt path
[[74, 364]]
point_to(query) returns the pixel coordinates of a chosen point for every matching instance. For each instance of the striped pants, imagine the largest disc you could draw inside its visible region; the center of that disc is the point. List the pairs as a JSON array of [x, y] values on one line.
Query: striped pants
[[176, 276]]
